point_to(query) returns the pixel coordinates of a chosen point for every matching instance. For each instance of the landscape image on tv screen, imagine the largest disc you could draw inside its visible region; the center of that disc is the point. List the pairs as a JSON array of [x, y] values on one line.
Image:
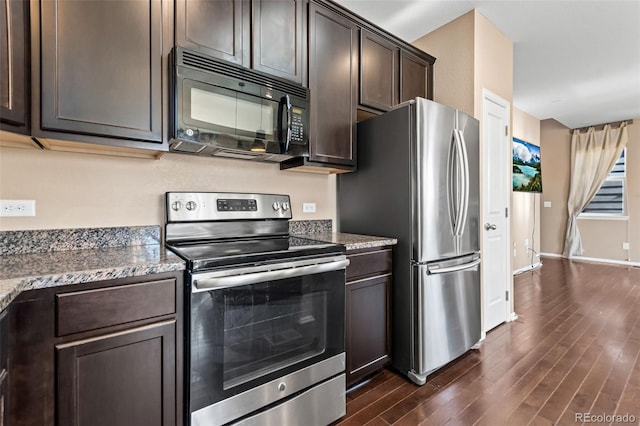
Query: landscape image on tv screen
[[526, 167]]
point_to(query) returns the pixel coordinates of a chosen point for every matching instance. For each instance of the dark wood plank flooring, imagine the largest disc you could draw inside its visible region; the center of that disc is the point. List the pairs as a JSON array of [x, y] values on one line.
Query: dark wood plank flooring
[[573, 349]]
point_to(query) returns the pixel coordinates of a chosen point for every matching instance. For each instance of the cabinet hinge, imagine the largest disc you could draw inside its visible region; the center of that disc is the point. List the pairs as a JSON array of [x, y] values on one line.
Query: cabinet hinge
[[506, 130], [506, 295], [506, 212]]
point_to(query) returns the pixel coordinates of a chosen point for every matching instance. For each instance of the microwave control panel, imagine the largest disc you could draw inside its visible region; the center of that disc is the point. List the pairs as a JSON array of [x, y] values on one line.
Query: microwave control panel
[[297, 125]]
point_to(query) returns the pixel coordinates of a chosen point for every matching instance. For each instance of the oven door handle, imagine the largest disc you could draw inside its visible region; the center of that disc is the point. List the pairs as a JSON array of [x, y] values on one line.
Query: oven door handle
[[225, 281]]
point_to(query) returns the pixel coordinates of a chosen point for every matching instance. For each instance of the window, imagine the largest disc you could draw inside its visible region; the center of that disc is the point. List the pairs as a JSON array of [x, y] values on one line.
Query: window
[[609, 199]]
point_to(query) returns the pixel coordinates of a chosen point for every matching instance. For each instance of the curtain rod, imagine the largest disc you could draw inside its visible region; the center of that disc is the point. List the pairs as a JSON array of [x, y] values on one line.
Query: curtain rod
[[581, 129]]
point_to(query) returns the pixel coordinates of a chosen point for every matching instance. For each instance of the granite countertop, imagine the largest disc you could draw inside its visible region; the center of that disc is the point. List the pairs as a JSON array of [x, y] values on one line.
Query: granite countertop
[[41, 270], [41, 259], [322, 230], [49, 258], [351, 241]]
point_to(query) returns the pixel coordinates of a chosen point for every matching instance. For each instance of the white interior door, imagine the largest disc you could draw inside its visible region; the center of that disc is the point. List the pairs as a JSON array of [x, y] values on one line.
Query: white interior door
[[496, 189]]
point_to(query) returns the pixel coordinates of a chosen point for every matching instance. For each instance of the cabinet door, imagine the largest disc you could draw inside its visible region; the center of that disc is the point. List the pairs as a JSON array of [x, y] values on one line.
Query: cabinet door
[[368, 337], [414, 74], [102, 67], [219, 28], [14, 76], [4, 382], [126, 378], [277, 38], [333, 74], [378, 72]]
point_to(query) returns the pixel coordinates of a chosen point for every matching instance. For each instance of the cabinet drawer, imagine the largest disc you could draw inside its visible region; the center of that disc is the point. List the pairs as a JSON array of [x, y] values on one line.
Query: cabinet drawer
[[368, 263], [92, 309]]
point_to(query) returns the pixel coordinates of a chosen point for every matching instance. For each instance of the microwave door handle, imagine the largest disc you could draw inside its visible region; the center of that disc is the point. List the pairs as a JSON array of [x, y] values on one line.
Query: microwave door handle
[[285, 106]]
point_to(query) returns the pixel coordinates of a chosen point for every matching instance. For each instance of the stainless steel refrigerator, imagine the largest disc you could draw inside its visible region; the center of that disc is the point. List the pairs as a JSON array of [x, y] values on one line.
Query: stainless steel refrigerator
[[418, 181]]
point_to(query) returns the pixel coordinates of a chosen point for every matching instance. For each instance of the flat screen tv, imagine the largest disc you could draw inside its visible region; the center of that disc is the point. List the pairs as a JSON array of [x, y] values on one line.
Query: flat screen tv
[[527, 173]]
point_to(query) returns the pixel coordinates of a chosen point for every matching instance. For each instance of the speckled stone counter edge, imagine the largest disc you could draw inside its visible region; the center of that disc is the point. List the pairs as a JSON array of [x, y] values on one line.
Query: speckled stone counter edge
[[322, 230], [51, 240], [310, 226], [11, 288], [15, 245], [352, 241]]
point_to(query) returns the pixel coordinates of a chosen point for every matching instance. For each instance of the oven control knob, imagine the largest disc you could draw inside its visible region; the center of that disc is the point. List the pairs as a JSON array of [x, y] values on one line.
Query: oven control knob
[[276, 205], [282, 386], [285, 206], [176, 205], [191, 205]]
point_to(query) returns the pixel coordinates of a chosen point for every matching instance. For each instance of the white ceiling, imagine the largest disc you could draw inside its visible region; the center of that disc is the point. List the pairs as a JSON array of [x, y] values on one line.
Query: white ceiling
[[577, 61]]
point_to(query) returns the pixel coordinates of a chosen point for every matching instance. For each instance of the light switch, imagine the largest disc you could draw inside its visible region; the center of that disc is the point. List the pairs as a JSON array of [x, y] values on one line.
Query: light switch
[[547, 203]]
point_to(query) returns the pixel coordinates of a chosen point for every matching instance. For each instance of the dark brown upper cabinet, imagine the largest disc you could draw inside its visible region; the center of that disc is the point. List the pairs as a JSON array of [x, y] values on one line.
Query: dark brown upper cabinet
[[389, 74], [379, 69], [333, 81], [266, 35], [218, 28], [14, 66], [279, 44], [416, 77], [104, 70]]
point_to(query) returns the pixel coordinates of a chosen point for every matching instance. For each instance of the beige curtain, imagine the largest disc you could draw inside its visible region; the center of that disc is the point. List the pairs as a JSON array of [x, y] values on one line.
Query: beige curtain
[[593, 155]]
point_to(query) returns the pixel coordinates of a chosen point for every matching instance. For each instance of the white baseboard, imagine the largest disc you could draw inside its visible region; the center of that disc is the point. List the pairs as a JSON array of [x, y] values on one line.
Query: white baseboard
[[593, 259], [550, 255], [528, 268], [610, 261], [512, 317]]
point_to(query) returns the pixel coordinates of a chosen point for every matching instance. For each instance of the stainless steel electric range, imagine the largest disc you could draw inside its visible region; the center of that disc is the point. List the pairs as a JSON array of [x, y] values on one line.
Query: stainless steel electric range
[[266, 312]]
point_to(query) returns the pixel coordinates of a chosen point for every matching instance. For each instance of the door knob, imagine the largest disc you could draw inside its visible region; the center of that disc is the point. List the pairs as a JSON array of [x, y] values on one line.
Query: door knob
[[489, 226]]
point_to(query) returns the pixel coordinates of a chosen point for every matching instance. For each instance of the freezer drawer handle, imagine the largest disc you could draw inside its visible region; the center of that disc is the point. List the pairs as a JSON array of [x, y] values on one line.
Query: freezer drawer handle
[[438, 270]]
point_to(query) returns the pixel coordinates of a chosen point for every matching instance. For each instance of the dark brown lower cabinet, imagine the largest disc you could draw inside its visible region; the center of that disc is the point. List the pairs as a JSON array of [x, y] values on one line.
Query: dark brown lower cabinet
[[104, 353], [368, 311], [125, 378], [4, 382]]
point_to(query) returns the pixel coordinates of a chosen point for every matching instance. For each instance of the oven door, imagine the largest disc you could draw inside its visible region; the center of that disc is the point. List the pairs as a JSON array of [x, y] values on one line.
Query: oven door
[[262, 334]]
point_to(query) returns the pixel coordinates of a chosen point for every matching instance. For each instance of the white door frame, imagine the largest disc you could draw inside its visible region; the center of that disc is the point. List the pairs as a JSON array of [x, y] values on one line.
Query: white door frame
[[488, 96]]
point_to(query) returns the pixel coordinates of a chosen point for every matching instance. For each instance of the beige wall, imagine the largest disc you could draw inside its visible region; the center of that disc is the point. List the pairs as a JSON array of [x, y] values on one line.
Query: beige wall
[[555, 157], [85, 190], [525, 206], [493, 63], [600, 238], [452, 45]]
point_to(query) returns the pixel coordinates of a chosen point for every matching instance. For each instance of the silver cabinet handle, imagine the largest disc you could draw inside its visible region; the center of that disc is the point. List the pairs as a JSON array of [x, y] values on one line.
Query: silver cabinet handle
[[489, 226]]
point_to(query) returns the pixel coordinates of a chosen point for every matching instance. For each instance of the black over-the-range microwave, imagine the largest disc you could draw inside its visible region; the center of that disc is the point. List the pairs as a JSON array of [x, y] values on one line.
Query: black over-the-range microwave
[[222, 109]]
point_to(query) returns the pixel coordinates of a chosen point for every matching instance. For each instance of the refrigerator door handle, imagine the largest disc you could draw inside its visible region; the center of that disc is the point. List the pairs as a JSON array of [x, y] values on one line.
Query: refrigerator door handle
[[465, 183], [461, 183], [437, 270], [453, 189]]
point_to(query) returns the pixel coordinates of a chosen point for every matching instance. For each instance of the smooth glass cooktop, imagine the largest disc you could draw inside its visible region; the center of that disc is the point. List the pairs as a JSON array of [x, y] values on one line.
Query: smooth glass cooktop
[[209, 254]]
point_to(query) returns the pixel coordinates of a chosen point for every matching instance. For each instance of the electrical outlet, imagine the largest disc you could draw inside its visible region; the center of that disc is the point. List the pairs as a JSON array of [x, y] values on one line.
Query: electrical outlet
[[547, 203], [625, 246], [526, 243], [15, 208], [308, 207]]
